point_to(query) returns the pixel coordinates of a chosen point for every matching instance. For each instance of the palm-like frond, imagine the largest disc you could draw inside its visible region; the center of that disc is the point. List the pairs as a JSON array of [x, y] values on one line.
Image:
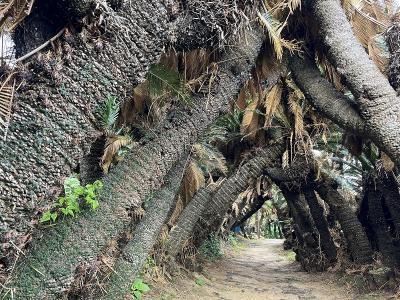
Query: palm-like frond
[[271, 104], [12, 12], [163, 79], [209, 158], [274, 29], [110, 113]]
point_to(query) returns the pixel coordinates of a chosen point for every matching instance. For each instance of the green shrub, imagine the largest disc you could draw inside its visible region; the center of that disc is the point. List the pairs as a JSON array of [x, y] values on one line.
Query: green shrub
[[138, 288], [76, 198], [211, 248]]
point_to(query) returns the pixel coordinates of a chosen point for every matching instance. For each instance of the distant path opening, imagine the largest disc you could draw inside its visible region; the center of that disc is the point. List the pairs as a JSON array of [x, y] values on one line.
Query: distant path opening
[[261, 271]]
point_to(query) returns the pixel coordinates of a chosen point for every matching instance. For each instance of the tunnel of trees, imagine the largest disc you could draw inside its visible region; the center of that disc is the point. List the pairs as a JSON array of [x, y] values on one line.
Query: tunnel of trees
[[130, 128]]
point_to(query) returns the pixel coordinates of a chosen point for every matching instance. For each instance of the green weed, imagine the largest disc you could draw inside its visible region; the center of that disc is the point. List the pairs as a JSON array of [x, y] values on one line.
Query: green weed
[[138, 288], [76, 197]]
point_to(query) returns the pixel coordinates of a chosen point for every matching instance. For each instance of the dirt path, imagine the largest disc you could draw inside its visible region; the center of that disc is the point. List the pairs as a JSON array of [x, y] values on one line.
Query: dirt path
[[259, 272]]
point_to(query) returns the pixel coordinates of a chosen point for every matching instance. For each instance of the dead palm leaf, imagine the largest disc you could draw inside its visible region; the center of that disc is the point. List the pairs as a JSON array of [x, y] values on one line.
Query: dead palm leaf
[[271, 103], [12, 13], [6, 98], [193, 180], [250, 120], [113, 145], [274, 29]]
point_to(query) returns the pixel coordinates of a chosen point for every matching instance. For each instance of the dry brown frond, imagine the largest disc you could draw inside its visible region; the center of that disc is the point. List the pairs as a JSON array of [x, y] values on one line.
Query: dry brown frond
[[379, 52], [387, 163], [297, 111], [6, 98], [271, 103], [12, 12], [250, 120], [193, 180], [113, 144]]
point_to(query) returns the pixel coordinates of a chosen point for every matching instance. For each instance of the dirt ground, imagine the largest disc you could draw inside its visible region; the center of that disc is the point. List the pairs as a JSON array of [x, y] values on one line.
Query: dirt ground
[[259, 271]]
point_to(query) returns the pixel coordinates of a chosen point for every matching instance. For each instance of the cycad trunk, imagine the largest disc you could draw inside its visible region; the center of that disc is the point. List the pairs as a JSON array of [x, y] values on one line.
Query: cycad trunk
[[252, 208], [356, 238], [226, 195], [75, 242], [134, 254], [318, 215], [377, 101], [307, 249], [188, 219], [374, 191], [210, 207], [55, 119]]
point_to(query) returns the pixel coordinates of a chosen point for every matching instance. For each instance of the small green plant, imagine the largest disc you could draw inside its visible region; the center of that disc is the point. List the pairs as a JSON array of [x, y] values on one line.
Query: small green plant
[[138, 288], [291, 256], [211, 249], [200, 281], [76, 197]]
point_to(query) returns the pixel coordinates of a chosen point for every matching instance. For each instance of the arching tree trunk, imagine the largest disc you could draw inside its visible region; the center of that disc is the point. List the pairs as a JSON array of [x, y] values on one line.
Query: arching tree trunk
[[307, 249], [318, 215], [226, 195], [252, 208], [210, 207], [324, 97], [73, 242], [374, 191], [56, 115], [354, 233], [377, 102], [137, 250], [188, 219]]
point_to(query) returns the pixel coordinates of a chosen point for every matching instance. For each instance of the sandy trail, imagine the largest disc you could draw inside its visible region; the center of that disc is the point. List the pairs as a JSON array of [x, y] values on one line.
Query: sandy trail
[[261, 271]]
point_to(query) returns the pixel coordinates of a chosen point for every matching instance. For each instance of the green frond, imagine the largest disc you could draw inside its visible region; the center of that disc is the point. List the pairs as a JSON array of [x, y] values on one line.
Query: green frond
[[110, 113], [163, 80]]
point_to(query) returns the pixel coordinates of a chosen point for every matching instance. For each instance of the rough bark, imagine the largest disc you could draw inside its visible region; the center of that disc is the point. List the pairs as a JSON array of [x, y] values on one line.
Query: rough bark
[[137, 250], [356, 238], [55, 119], [225, 196], [393, 40], [73, 242], [318, 215], [324, 97], [378, 103], [301, 215], [188, 219], [392, 199], [374, 191], [307, 248]]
